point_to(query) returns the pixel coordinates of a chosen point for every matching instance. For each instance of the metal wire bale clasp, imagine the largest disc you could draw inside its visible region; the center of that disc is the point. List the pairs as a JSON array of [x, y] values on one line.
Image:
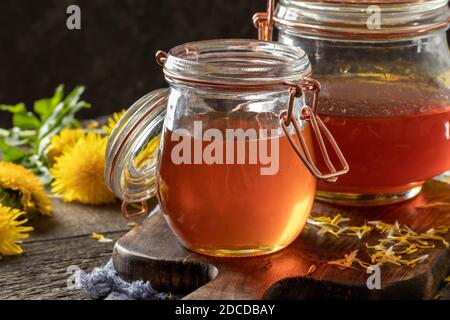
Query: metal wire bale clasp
[[131, 216], [161, 57], [263, 21], [309, 114]]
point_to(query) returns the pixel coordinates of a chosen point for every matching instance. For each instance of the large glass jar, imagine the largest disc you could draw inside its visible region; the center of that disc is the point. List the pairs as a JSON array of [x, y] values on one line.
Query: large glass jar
[[225, 172], [384, 67]]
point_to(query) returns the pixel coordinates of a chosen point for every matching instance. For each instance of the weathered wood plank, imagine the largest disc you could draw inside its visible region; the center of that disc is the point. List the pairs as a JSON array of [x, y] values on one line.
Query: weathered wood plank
[[73, 219], [57, 243], [41, 272]]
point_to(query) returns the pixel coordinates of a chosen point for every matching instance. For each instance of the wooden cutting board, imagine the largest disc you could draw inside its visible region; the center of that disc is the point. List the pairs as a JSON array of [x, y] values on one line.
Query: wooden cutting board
[[151, 252]]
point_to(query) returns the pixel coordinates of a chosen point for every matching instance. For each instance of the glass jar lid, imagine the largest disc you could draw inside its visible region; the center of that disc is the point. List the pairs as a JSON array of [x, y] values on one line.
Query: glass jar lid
[[133, 148], [371, 19], [243, 63]]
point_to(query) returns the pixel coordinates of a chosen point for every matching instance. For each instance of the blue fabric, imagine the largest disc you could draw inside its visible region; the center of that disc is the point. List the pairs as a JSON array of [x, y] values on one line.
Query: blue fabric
[[105, 283]]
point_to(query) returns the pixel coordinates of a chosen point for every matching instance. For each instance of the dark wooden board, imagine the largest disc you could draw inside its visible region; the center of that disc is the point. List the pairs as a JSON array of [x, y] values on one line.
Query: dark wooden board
[[151, 252]]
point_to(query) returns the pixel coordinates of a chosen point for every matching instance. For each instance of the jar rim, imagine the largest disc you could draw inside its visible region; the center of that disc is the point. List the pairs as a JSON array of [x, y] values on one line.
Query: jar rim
[[365, 19], [237, 61]]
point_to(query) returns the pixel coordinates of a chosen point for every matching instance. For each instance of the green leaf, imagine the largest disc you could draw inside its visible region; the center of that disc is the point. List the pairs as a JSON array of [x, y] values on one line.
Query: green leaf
[[58, 95], [75, 124], [18, 108], [26, 121], [45, 107], [11, 154], [60, 111], [74, 96], [27, 142], [62, 116]]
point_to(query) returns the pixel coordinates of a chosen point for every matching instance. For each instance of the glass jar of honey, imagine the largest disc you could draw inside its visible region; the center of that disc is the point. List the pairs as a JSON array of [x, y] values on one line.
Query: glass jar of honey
[[227, 149], [384, 67]]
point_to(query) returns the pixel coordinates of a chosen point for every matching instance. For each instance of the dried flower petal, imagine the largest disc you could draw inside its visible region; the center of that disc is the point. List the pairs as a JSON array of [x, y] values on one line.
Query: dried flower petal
[[348, 261], [101, 238], [131, 225], [311, 270], [398, 241]]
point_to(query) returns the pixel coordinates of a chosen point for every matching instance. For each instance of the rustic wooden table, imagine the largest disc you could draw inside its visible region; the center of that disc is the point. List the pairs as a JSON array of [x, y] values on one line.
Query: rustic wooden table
[[57, 243], [60, 242]]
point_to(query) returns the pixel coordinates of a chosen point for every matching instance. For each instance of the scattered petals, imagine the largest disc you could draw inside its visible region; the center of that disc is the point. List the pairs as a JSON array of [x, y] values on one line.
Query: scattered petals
[[396, 244], [101, 238], [131, 225], [348, 261]]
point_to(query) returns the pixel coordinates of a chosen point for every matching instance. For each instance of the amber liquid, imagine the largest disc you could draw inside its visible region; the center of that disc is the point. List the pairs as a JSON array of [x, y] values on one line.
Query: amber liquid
[[390, 154], [391, 146], [231, 209]]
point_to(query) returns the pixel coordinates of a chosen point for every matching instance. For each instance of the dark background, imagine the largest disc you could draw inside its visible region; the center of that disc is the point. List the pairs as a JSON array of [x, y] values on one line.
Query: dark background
[[113, 54]]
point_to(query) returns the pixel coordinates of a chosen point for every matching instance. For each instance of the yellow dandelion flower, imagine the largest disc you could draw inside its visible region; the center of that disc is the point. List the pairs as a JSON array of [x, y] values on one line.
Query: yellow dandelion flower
[[93, 124], [26, 186], [78, 173], [61, 142], [148, 151], [108, 128], [12, 231]]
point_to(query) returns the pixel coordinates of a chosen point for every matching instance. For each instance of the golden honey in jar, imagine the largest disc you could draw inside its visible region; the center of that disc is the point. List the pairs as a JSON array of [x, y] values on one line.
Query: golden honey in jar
[[233, 173], [230, 204]]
